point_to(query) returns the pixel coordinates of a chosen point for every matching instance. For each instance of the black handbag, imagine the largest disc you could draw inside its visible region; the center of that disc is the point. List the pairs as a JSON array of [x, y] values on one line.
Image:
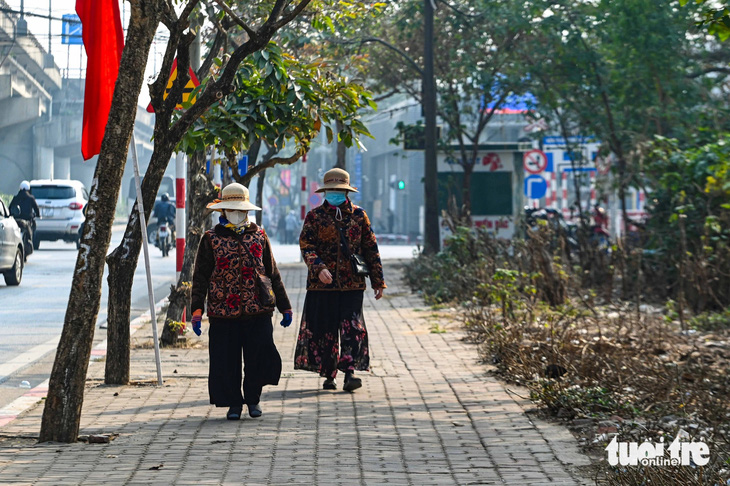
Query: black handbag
[[359, 267], [265, 289]]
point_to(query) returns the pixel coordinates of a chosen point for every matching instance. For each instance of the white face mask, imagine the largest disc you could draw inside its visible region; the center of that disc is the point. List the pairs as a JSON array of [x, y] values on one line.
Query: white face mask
[[237, 218]]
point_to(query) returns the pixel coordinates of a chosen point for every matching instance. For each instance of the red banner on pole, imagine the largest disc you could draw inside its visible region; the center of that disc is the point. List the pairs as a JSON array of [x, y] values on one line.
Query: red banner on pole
[[104, 41]]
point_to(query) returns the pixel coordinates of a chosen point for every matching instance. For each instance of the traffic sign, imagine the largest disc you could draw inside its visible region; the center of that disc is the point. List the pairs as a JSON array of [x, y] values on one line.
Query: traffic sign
[[71, 29], [535, 186], [187, 90], [535, 161], [315, 200]]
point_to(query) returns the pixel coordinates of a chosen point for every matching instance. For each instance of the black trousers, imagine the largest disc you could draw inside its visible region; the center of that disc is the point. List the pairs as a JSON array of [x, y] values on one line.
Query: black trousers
[[232, 339]]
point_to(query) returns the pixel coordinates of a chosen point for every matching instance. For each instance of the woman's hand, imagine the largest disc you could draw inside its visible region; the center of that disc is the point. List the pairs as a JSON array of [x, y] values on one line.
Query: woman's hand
[[378, 293], [325, 276]]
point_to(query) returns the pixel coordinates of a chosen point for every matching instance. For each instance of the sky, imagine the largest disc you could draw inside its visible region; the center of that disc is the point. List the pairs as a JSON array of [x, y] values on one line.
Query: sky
[[71, 59]]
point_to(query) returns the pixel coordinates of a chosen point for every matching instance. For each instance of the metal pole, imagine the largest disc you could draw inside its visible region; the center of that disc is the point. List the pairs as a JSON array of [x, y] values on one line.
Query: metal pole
[[180, 226], [432, 238], [145, 247]]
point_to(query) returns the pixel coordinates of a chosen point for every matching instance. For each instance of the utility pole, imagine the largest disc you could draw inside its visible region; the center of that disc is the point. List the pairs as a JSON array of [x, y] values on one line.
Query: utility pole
[[432, 238]]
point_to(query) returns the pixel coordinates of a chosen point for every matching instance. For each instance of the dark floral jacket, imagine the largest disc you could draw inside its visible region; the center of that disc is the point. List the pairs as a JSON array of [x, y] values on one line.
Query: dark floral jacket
[[321, 248], [225, 273]]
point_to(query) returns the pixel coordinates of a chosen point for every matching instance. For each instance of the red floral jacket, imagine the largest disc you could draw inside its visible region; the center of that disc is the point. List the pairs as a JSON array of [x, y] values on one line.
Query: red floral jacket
[[321, 248], [225, 273]]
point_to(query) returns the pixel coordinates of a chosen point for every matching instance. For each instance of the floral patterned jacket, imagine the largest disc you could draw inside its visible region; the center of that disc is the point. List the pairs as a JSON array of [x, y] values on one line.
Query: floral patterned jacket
[[321, 248], [225, 273]]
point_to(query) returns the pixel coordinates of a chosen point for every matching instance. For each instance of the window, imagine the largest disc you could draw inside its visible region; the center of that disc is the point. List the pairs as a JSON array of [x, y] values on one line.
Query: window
[[53, 192]]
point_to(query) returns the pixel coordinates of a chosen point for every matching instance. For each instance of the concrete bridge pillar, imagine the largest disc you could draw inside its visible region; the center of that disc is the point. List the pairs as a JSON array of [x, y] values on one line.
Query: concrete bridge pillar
[[43, 163], [62, 168]]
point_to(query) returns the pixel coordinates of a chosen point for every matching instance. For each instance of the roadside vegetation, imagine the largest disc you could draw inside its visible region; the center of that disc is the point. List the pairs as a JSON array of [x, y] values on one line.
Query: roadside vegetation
[[639, 352]]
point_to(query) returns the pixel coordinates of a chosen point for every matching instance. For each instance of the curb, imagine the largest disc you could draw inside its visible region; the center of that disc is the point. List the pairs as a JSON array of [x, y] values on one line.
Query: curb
[[28, 400]]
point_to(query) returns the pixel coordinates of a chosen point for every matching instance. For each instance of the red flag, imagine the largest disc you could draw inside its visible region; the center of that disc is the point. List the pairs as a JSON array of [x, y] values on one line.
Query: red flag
[[104, 40]]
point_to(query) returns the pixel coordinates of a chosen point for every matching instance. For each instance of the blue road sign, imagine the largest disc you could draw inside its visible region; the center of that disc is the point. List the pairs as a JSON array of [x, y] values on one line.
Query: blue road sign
[[71, 29], [535, 186], [243, 165]]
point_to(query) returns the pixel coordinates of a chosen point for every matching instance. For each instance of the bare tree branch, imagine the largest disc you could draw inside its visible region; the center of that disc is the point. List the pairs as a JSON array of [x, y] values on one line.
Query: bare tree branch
[[274, 161], [251, 33], [367, 40], [275, 12], [387, 95], [708, 70], [292, 14]]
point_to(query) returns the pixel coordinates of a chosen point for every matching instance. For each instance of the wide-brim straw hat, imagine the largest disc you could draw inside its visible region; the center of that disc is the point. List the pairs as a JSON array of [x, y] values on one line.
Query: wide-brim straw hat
[[336, 179], [234, 196]]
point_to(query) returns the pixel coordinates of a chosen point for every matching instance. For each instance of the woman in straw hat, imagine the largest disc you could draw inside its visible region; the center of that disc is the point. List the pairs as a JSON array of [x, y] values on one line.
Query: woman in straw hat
[[332, 311], [236, 271]]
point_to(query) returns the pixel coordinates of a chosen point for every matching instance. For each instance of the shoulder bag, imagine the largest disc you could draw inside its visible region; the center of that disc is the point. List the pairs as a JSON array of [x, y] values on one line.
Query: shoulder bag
[[359, 267]]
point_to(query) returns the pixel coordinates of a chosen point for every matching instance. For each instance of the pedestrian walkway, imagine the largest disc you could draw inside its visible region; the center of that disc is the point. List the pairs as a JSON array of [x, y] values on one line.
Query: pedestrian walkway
[[428, 414]]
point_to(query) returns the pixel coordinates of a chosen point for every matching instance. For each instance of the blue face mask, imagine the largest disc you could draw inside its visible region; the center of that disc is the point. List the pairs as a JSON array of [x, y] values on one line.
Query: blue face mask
[[335, 198]]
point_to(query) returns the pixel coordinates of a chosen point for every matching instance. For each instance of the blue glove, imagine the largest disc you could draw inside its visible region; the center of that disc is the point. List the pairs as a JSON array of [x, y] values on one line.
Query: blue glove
[[197, 317], [286, 321]]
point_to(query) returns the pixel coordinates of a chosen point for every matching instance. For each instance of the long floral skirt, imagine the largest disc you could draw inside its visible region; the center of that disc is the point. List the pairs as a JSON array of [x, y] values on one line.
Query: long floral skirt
[[332, 334]]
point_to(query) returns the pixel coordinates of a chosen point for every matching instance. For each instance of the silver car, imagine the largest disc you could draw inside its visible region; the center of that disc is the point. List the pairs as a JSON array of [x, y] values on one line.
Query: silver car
[[61, 202], [11, 248]]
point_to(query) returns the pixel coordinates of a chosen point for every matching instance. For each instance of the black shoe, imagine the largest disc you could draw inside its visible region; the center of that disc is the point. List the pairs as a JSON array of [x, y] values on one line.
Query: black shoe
[[234, 413], [255, 410], [351, 383], [329, 384]]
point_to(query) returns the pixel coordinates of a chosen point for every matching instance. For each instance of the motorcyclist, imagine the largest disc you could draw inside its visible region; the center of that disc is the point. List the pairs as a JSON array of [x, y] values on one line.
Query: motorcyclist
[[164, 211], [25, 210]]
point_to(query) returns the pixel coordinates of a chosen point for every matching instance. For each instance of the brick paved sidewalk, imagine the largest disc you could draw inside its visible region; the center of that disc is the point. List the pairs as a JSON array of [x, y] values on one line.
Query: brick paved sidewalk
[[426, 415]]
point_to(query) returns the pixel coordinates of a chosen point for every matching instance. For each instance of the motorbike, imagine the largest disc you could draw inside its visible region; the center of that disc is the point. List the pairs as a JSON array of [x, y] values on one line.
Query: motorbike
[[26, 230], [164, 238]]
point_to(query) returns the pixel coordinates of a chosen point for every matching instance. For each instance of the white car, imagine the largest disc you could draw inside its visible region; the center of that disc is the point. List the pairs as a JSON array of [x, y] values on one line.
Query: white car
[[61, 202], [11, 248]]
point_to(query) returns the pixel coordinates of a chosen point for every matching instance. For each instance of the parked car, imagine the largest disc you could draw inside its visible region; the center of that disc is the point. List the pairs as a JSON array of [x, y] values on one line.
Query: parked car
[[61, 202], [12, 257]]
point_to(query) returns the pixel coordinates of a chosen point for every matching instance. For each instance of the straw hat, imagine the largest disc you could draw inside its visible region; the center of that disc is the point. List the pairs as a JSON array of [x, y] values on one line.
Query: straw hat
[[233, 196], [336, 179]]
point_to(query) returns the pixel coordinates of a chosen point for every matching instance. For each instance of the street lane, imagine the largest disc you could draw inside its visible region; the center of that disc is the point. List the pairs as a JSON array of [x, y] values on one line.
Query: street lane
[[33, 312]]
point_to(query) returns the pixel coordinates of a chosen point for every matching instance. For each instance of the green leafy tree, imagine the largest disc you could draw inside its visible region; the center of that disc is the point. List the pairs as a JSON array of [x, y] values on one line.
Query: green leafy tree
[[690, 202], [475, 68], [619, 70]]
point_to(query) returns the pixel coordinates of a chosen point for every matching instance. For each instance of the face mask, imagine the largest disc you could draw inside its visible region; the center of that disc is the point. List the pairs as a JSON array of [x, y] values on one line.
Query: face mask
[[237, 218], [335, 198]]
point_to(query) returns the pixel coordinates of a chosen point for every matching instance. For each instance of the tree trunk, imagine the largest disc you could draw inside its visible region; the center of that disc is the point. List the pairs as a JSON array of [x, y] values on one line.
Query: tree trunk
[[341, 148], [465, 210], [200, 192], [62, 412]]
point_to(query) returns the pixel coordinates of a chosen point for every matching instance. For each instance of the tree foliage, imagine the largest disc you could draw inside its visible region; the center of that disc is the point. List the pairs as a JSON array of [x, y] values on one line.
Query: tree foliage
[[278, 98]]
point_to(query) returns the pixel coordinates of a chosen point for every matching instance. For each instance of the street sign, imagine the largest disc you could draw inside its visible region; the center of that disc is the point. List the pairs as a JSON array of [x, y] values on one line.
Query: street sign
[[535, 161], [535, 186], [537, 125], [187, 90], [71, 29], [315, 200]]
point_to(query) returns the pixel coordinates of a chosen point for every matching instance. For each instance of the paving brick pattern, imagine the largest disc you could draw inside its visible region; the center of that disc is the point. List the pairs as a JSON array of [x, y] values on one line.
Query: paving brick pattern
[[428, 414]]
